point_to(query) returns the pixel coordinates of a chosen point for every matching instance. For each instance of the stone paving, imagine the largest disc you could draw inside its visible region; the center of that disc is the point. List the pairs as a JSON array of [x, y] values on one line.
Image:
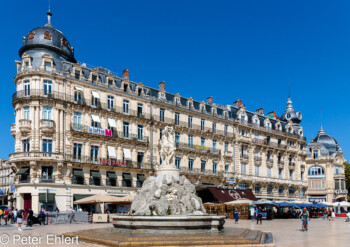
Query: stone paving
[[286, 233]]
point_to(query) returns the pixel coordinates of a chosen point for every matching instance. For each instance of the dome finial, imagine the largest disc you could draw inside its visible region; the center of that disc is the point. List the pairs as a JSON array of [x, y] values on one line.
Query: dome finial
[[49, 14]]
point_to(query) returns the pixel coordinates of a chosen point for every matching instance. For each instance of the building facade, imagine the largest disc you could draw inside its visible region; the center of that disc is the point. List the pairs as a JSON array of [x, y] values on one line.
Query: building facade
[[325, 166], [81, 131], [7, 177]]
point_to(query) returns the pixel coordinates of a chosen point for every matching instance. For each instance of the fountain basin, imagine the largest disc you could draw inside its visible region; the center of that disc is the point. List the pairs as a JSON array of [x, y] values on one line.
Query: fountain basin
[[171, 223]]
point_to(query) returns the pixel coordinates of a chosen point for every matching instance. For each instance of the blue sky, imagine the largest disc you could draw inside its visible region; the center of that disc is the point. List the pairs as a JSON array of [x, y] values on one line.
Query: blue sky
[[226, 49]]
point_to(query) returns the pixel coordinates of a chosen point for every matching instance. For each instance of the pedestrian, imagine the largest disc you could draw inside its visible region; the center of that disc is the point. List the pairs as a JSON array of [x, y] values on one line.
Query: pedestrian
[[30, 217], [1, 213], [325, 214], [259, 218], [236, 214], [71, 214], [20, 219], [333, 215], [15, 215], [6, 215]]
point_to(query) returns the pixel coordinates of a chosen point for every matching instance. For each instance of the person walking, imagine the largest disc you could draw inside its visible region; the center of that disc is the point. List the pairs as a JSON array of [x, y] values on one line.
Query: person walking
[[6, 215], [1, 213], [333, 215], [325, 214], [259, 216], [30, 217], [14, 215], [236, 214], [20, 219]]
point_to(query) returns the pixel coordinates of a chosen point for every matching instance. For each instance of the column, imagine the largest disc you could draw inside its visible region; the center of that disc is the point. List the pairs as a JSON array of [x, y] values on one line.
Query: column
[[57, 122], [61, 130]]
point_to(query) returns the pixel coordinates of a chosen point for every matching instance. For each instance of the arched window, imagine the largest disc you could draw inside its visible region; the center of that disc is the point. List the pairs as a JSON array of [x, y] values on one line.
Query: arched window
[[280, 190], [47, 35], [64, 42], [291, 191], [269, 189], [257, 189], [243, 186], [316, 171], [31, 35]]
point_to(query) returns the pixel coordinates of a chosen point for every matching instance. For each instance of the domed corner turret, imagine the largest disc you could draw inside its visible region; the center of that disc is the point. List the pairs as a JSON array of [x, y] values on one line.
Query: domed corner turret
[[329, 142], [47, 40], [290, 114]]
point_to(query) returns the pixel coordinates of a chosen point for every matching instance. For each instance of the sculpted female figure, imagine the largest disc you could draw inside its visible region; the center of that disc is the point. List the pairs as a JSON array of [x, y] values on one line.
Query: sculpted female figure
[[167, 146]]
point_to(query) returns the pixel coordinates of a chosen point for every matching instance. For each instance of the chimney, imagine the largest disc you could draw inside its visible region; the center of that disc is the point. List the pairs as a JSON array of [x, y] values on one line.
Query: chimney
[[210, 100], [260, 111], [161, 85], [125, 74], [238, 103]]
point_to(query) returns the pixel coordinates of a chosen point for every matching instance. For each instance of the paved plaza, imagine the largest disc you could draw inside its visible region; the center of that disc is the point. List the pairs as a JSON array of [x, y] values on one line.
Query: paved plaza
[[286, 233]]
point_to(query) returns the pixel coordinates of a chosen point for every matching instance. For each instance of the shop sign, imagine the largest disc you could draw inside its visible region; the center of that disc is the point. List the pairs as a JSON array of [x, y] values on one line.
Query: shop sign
[[100, 131], [341, 191], [112, 162], [118, 192]]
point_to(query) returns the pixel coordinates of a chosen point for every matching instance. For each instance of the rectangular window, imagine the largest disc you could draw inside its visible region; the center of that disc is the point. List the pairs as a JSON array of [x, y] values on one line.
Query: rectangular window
[[78, 96], [214, 128], [243, 168], [226, 130], [268, 172], [126, 106], [256, 170], [26, 85], [140, 132], [214, 145], [77, 74], [77, 119], [47, 113], [190, 141], [47, 87], [203, 163], [47, 146], [140, 157], [26, 113], [336, 170], [46, 173], [177, 162], [77, 148], [302, 176], [226, 167], [139, 109], [26, 145], [215, 165], [190, 164], [126, 129], [226, 146], [94, 153], [290, 175], [202, 141], [161, 115], [177, 118], [47, 66], [315, 154], [190, 118], [110, 102], [177, 137], [202, 124], [280, 173]]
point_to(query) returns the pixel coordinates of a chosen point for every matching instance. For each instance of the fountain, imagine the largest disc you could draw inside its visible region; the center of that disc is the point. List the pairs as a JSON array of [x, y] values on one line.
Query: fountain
[[167, 212]]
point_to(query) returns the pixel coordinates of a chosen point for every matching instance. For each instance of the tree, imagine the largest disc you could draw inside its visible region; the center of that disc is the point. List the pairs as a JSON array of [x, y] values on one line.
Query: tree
[[347, 179]]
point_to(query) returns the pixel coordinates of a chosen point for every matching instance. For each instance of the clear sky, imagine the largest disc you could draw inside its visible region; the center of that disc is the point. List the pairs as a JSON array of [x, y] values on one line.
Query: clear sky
[[226, 49]]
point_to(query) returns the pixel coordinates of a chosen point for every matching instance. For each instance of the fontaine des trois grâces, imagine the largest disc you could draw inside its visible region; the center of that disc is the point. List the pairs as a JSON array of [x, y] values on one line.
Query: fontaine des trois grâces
[[168, 201]]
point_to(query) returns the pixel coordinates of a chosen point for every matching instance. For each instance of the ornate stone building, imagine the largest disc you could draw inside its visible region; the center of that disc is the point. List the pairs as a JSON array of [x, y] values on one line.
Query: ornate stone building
[[6, 183], [325, 166], [81, 130]]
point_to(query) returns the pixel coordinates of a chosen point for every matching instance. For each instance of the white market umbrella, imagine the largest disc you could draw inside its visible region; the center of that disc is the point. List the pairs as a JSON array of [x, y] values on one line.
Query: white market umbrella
[[243, 201]]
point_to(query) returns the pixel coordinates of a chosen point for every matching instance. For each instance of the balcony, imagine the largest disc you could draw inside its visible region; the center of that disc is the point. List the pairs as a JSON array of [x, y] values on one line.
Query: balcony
[[280, 164], [197, 171], [244, 157], [228, 153], [198, 148], [47, 126], [25, 126], [269, 162], [257, 158], [36, 156], [24, 180], [45, 179], [78, 180], [13, 129], [291, 166]]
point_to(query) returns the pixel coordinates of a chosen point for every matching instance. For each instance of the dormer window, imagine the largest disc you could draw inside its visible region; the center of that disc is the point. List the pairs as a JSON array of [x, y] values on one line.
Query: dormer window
[[47, 66], [47, 35], [31, 35], [64, 42], [315, 154]]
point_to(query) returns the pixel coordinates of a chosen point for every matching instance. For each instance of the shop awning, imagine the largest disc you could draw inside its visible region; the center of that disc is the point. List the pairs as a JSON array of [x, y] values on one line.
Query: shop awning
[[79, 88], [96, 118], [141, 177], [78, 173], [127, 176], [95, 174], [127, 153], [95, 94], [112, 123], [111, 175], [23, 170], [111, 152], [225, 195], [50, 197], [79, 196]]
